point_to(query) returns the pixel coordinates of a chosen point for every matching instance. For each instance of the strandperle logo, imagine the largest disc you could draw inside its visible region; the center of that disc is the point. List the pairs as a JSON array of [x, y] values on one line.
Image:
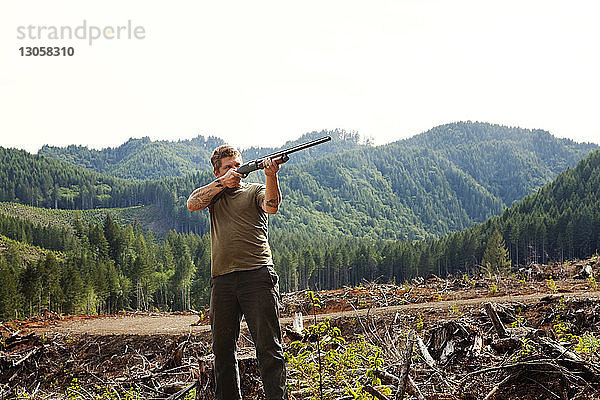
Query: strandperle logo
[[90, 33]]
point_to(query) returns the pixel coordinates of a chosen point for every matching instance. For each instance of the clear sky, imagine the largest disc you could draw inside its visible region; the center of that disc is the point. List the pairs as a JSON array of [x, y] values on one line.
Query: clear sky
[[263, 72]]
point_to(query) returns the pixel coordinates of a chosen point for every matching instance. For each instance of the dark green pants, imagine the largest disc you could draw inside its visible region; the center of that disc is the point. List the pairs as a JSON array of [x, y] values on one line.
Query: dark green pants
[[253, 294]]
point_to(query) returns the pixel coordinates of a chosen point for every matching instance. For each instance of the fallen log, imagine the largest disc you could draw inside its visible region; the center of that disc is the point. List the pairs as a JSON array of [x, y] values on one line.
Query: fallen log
[[569, 359], [557, 350]]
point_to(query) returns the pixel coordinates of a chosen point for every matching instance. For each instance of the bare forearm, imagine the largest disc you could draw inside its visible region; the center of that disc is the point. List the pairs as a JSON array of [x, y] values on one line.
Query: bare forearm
[[201, 197], [272, 195]]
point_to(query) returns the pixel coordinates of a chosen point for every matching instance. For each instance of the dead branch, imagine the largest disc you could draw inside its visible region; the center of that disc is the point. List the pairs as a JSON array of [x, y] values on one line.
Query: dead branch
[[498, 325], [32, 352], [544, 388], [375, 393], [403, 378], [182, 392], [176, 358], [390, 379], [490, 395], [414, 389], [571, 360], [425, 353]]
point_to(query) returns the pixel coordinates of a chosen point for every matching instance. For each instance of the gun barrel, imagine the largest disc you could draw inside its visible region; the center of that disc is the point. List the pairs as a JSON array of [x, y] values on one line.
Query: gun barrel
[[257, 164], [303, 146]]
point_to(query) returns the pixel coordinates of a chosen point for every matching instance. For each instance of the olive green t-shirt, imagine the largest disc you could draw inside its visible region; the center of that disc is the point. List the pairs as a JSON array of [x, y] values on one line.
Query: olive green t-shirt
[[238, 230]]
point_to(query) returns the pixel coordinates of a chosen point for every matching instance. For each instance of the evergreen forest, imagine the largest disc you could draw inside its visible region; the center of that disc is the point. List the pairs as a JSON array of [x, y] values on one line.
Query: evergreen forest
[[98, 231]]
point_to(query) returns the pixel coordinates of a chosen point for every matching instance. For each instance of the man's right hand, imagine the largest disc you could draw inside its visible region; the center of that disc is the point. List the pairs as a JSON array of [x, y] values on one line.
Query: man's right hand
[[231, 179], [201, 197]]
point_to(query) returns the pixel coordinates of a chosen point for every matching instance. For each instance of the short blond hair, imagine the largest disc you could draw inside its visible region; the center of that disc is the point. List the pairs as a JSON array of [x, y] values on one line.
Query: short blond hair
[[222, 152]]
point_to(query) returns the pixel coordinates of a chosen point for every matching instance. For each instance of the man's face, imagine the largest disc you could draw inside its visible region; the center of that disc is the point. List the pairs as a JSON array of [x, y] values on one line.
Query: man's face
[[228, 163]]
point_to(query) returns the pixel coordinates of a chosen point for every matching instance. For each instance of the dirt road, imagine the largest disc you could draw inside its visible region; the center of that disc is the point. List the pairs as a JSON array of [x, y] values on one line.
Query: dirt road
[[169, 324]]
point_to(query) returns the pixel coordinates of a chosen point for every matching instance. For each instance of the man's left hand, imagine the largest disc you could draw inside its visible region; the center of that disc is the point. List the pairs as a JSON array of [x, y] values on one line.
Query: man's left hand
[[270, 167]]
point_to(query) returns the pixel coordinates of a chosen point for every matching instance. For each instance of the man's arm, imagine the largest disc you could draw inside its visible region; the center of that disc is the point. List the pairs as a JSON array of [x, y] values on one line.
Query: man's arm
[[272, 198], [201, 197]]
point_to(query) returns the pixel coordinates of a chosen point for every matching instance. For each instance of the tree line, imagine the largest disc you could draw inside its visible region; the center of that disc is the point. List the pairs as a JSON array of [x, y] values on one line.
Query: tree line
[[103, 268]]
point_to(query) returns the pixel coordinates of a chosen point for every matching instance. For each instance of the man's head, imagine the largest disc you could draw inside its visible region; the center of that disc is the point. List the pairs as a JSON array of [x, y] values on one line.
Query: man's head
[[225, 157]]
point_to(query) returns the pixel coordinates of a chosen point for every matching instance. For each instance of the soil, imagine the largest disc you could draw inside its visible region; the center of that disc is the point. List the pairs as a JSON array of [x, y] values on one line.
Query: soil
[[182, 324]]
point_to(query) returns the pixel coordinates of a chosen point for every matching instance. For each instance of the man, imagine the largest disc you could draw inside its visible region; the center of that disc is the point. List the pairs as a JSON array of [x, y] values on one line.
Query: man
[[243, 281]]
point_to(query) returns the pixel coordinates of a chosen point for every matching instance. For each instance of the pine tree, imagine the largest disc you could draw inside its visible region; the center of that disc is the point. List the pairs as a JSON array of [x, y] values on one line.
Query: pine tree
[[184, 269], [98, 242], [112, 233], [142, 269], [51, 273], [72, 285], [495, 257], [10, 297], [31, 282]]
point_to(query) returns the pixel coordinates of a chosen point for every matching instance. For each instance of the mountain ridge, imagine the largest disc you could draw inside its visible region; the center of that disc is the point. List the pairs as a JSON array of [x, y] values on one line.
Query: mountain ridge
[[417, 188]]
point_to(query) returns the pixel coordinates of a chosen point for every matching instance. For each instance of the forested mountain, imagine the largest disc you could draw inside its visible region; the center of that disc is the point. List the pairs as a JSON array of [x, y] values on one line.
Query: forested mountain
[[43, 182], [339, 224], [509, 162], [140, 158], [418, 188], [103, 266], [559, 221], [146, 159], [425, 186], [382, 192]]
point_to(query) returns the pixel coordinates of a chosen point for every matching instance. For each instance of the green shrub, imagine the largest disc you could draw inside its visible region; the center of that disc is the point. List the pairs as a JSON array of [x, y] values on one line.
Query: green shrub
[[346, 367]]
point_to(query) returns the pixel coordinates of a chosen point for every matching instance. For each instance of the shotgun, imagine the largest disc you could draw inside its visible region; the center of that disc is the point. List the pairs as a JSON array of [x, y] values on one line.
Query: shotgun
[[279, 157]]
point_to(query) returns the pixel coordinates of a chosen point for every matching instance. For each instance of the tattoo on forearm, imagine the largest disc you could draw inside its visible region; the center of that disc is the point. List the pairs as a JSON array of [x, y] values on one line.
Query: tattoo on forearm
[[205, 196], [274, 203], [201, 198]]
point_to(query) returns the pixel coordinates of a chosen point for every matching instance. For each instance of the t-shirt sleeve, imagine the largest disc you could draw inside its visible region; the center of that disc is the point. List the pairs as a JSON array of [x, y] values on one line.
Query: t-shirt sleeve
[[260, 196]]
